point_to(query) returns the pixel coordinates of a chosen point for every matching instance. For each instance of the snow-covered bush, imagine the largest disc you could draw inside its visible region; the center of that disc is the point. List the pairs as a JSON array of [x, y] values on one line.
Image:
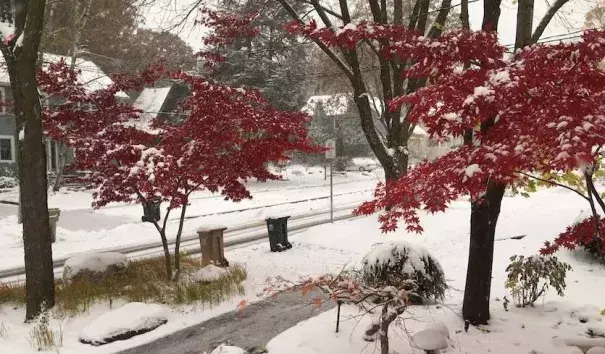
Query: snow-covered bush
[[530, 277], [395, 262], [8, 182]]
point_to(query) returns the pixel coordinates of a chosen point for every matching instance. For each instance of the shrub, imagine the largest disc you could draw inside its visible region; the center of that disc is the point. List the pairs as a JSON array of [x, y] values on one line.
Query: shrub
[[7, 182], [580, 234], [397, 262], [529, 278]]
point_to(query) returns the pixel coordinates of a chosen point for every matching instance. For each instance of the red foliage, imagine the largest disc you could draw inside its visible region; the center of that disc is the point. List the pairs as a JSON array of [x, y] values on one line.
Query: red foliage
[[227, 28], [581, 234], [543, 107], [226, 136]]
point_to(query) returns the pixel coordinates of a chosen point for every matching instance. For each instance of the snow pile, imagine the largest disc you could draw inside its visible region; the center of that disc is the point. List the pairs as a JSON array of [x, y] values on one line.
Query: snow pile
[[228, 349], [209, 273], [429, 340], [123, 323], [94, 265]]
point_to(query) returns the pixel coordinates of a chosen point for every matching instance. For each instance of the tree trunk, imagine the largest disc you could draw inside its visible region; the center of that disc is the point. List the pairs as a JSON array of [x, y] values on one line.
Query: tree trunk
[[177, 245], [28, 18], [383, 334], [484, 216], [168, 261], [60, 167]]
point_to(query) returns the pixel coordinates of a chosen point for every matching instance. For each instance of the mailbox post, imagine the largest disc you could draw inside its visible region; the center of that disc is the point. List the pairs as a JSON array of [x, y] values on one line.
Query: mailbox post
[[330, 156]]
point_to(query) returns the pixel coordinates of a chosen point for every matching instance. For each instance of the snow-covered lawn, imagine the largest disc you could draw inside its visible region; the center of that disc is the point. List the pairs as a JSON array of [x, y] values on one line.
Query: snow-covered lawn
[[82, 229], [328, 248]]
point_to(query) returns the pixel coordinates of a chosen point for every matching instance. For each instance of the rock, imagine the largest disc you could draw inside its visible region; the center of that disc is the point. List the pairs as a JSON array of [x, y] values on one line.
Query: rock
[[429, 340], [94, 266], [227, 349], [209, 273], [123, 323]]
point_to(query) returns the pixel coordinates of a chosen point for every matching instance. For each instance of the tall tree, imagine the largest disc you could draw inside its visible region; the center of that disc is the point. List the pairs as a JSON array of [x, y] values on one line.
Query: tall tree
[[215, 146], [272, 60], [112, 37], [389, 148], [501, 105], [22, 25]]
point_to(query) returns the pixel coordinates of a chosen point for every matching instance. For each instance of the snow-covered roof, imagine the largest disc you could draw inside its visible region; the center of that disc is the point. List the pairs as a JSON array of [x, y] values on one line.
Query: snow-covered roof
[[150, 101], [91, 76], [333, 105]]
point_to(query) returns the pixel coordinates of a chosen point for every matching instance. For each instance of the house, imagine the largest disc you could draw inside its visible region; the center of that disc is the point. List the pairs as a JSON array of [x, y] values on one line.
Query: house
[[333, 111], [90, 75], [336, 116], [160, 103]]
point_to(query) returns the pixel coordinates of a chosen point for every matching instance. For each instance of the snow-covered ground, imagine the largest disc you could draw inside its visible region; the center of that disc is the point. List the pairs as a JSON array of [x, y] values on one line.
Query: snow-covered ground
[[328, 248], [82, 229]]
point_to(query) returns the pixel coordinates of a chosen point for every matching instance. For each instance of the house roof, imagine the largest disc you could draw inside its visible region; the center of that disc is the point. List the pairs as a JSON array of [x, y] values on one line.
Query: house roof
[[333, 105], [150, 101], [91, 76]]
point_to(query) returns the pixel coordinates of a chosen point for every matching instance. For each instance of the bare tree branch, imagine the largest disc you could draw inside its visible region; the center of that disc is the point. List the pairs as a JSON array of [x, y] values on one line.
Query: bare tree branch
[[546, 20]]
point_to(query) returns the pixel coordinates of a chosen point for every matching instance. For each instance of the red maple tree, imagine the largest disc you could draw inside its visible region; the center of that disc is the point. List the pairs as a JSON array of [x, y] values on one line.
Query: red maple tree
[[538, 110], [224, 137]]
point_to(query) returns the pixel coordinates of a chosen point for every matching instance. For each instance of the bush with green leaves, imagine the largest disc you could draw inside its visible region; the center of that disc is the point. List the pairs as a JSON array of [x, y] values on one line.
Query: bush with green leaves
[[393, 263], [530, 277]]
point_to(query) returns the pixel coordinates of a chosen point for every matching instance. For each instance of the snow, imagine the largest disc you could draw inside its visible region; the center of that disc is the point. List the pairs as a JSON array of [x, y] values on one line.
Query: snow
[[471, 170], [500, 77], [84, 229], [209, 273], [228, 349], [419, 131], [134, 316], [327, 248], [429, 339], [451, 116], [211, 227], [90, 75], [22, 134], [385, 253], [391, 152], [596, 350], [6, 29], [94, 262], [150, 101], [333, 105]]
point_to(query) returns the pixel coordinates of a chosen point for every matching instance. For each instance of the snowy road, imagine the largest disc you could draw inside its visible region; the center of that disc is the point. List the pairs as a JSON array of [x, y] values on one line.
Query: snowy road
[[251, 328]]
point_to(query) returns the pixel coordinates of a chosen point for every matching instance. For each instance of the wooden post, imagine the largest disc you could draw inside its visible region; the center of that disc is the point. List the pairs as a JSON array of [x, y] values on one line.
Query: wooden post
[[212, 246]]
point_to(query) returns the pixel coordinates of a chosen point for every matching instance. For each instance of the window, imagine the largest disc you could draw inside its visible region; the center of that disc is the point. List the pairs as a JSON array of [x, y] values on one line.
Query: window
[[7, 152]]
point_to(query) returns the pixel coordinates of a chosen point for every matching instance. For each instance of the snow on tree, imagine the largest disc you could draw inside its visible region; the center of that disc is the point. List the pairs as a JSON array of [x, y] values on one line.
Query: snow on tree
[[540, 110], [226, 136], [249, 48]]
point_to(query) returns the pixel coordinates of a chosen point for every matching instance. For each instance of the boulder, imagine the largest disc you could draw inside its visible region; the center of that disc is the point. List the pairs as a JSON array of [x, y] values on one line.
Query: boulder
[[123, 323], [94, 266]]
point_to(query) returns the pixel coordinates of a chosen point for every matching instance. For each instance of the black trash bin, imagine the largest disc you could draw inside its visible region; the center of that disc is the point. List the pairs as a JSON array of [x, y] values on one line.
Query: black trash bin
[[278, 233], [151, 210]]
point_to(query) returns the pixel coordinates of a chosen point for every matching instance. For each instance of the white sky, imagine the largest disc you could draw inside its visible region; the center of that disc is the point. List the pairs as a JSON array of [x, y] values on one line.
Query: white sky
[[165, 14]]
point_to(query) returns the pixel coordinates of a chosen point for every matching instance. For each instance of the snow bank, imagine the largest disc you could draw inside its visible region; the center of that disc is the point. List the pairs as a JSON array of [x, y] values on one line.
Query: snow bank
[[123, 323], [92, 265], [209, 273], [227, 349]]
